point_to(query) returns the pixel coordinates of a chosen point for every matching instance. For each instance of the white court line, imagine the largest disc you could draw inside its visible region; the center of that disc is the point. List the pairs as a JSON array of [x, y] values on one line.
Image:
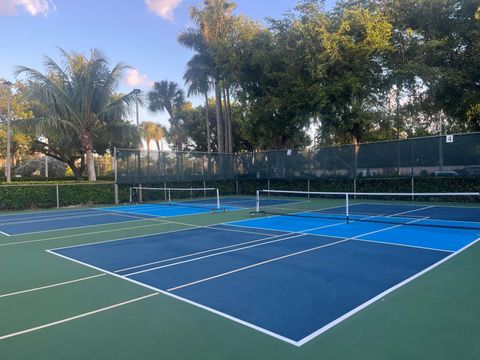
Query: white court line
[[44, 326], [50, 286], [292, 235], [403, 245], [256, 265], [286, 233], [192, 227], [87, 233], [53, 218], [182, 299], [212, 255], [381, 295], [4, 233], [157, 219], [51, 212], [252, 326], [200, 253], [260, 263]]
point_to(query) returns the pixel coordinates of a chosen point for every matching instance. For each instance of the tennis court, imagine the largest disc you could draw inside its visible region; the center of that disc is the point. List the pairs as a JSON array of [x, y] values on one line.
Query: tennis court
[[35, 222], [286, 274]]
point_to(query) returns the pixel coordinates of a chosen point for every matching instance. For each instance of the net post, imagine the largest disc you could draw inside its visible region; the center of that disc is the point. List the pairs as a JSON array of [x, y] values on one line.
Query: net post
[[58, 195], [169, 196], [218, 199], [347, 207], [257, 202], [308, 188], [140, 193], [131, 194]]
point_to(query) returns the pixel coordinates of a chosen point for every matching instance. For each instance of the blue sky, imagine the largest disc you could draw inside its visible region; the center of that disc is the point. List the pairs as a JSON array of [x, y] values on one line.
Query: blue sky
[[140, 33]]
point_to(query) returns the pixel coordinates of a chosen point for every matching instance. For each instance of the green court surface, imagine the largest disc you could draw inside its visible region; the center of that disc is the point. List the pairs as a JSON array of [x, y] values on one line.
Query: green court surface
[[53, 308]]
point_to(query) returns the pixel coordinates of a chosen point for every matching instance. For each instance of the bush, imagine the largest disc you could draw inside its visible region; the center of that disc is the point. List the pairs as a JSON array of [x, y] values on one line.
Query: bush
[[44, 195]]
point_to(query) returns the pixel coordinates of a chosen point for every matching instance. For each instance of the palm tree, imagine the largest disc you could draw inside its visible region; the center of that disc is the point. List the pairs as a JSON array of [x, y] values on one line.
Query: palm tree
[[81, 99], [152, 132], [168, 96], [213, 22], [197, 78]]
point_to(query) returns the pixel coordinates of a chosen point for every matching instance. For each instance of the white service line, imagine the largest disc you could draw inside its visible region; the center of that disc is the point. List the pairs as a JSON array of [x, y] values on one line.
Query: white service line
[[54, 218], [260, 263], [83, 234], [36, 328], [410, 211], [201, 252], [226, 247], [381, 295], [185, 300], [256, 265], [4, 233], [216, 254], [50, 286]]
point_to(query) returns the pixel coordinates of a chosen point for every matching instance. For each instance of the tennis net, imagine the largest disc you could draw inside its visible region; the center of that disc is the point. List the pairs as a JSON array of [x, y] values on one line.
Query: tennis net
[[449, 210], [208, 198]]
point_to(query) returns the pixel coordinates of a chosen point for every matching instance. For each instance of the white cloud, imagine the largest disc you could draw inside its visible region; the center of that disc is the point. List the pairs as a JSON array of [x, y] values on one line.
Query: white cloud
[[163, 8], [135, 79], [33, 7]]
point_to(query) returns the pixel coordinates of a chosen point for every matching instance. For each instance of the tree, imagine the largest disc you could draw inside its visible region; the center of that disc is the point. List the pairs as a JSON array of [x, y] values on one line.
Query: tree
[[19, 109], [214, 24], [197, 78], [152, 132], [81, 101], [168, 96], [351, 70]]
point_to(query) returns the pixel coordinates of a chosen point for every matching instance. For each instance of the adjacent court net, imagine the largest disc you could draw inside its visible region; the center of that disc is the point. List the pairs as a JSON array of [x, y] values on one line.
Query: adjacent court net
[[449, 210], [207, 198]]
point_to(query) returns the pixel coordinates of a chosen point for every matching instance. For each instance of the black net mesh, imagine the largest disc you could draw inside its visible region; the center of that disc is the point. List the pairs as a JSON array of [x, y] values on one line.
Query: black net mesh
[[457, 155]]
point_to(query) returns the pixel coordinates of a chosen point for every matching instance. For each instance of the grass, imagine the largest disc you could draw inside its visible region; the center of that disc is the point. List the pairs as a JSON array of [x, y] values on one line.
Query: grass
[[433, 317]]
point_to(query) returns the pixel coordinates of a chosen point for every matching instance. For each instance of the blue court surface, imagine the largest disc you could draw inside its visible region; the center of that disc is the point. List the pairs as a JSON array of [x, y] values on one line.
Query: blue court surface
[[26, 223], [289, 277]]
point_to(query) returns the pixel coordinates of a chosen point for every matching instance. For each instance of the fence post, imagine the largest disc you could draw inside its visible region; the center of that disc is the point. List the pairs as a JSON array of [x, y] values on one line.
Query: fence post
[[115, 164], [355, 188], [308, 188], [115, 191], [58, 196], [237, 188], [413, 188]]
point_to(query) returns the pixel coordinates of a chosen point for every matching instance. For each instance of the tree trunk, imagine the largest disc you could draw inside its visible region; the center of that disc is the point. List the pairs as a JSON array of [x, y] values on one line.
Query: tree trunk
[[227, 122], [218, 110], [87, 143], [209, 148], [76, 171], [230, 130]]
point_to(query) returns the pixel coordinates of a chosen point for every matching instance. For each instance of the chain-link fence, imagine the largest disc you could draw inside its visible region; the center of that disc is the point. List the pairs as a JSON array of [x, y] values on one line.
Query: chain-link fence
[[448, 155]]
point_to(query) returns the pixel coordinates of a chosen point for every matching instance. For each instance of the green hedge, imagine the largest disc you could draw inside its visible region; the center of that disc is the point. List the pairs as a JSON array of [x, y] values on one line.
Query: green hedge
[[43, 195], [78, 194]]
